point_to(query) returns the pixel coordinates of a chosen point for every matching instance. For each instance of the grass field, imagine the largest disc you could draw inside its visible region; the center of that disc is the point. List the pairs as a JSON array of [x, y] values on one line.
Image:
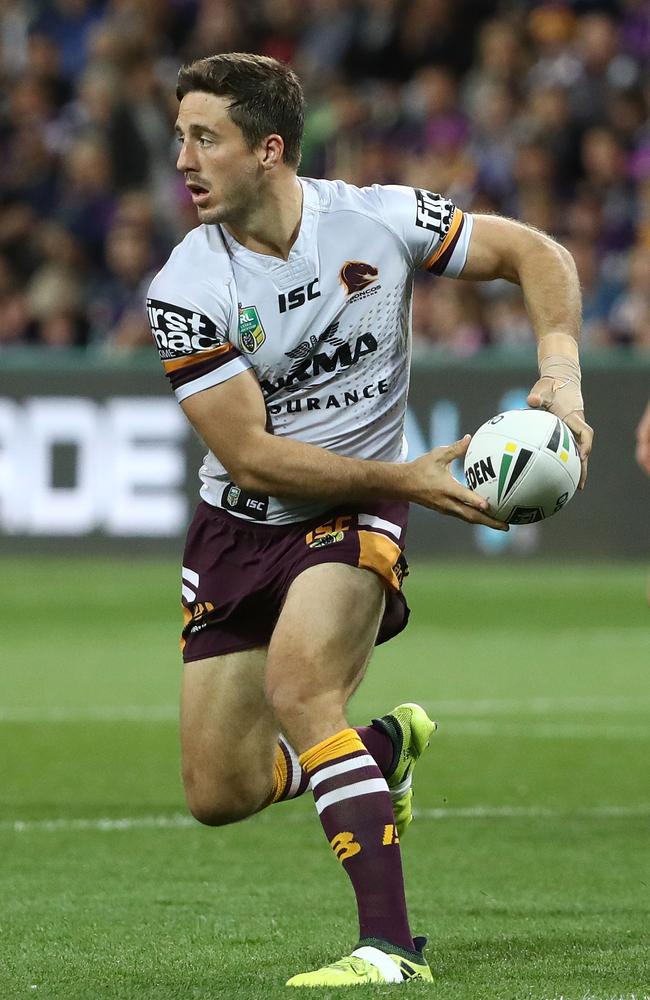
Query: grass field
[[528, 865]]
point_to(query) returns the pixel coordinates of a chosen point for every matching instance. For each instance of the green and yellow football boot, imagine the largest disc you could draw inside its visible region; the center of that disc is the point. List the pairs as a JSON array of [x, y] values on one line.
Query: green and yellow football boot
[[410, 730], [370, 964]]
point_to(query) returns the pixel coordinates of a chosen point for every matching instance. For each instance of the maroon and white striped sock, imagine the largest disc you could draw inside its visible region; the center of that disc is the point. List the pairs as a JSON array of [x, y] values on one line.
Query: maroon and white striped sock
[[290, 780], [355, 808]]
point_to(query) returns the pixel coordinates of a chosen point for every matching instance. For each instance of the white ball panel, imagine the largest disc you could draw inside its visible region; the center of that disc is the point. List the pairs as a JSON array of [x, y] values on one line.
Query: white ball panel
[[510, 463]]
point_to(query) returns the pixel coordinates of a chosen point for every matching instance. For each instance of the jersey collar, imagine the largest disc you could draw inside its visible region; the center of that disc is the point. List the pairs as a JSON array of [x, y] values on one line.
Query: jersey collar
[[304, 246]]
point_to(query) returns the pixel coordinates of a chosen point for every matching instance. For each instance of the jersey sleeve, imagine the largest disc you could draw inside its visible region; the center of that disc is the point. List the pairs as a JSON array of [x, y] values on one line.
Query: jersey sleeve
[[192, 329], [435, 231]]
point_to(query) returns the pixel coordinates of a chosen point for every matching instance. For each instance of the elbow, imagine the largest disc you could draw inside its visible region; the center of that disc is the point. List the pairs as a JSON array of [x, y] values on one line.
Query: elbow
[[557, 254], [541, 252], [248, 474], [250, 480], [566, 257], [246, 460]]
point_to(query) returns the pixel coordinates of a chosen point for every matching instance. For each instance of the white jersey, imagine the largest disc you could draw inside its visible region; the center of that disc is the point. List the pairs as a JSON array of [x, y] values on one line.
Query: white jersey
[[327, 332]]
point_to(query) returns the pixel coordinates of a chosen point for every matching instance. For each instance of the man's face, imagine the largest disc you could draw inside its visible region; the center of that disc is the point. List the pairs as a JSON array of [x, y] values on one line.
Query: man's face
[[221, 172]]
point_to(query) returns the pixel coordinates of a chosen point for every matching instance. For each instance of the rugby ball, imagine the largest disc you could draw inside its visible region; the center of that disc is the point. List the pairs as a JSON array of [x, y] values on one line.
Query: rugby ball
[[525, 463]]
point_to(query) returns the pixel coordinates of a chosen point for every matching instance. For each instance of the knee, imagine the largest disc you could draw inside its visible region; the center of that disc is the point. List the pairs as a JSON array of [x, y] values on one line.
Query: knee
[[289, 697], [219, 803], [216, 813], [303, 712]]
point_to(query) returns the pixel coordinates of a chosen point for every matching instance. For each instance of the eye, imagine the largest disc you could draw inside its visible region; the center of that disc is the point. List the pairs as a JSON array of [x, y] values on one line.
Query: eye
[[204, 140]]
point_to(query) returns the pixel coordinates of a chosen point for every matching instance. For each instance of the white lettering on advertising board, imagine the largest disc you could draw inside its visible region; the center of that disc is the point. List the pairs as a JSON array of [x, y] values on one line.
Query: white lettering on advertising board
[[128, 471]]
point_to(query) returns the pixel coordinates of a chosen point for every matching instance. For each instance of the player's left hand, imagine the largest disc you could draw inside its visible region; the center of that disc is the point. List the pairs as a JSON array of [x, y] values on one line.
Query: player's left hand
[[543, 396]]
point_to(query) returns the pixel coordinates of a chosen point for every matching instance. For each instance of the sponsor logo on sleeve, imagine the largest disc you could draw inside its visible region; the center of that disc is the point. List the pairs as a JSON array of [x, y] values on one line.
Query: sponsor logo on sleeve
[[179, 331], [433, 212]]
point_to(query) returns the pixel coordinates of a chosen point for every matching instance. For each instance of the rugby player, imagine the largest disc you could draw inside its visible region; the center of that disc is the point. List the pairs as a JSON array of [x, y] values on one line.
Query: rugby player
[[283, 324]]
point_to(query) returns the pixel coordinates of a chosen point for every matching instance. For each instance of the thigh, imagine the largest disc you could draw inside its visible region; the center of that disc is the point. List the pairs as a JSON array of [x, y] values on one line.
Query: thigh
[[228, 732], [371, 538], [320, 648]]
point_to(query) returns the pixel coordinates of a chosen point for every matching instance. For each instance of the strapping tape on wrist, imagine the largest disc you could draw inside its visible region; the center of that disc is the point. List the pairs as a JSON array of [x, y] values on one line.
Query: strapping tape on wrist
[[566, 376]]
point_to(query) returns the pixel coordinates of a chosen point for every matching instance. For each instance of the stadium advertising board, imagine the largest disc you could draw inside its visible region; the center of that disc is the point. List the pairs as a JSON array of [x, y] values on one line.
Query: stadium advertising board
[[104, 459]]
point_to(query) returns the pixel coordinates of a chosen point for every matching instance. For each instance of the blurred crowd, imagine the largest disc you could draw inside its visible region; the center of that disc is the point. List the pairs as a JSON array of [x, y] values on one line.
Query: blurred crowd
[[540, 111]]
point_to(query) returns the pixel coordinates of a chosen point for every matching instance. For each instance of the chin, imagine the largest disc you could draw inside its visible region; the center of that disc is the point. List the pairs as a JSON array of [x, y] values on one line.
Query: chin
[[209, 215]]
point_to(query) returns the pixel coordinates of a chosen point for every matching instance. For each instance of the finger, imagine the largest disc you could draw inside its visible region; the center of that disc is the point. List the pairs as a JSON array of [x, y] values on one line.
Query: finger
[[581, 431], [583, 442], [643, 457], [472, 516], [584, 462], [456, 491], [584, 437]]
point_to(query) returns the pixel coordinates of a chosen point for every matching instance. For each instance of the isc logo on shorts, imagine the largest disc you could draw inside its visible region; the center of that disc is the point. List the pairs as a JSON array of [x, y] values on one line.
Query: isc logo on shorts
[[178, 331], [329, 533]]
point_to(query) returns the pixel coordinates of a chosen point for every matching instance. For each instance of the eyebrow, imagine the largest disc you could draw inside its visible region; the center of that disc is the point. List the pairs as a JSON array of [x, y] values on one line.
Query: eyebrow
[[196, 130]]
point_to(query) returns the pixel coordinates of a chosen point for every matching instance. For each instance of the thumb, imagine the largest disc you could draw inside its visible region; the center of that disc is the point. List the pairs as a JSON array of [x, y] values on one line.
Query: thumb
[[457, 449], [539, 395]]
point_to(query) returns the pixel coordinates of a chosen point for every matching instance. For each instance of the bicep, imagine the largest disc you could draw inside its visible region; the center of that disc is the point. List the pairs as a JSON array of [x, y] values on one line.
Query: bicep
[[495, 246], [230, 417]]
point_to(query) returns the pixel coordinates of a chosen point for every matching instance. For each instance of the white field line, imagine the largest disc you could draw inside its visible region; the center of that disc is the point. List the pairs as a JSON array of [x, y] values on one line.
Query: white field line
[[534, 812], [460, 708], [178, 821], [90, 713], [540, 705], [550, 730]]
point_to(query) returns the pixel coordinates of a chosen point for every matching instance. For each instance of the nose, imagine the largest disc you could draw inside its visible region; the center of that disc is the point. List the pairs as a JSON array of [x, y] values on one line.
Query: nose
[[186, 157]]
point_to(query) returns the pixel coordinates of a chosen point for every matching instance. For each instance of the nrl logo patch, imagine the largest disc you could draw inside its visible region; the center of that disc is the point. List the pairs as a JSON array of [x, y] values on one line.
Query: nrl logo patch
[[251, 331], [233, 496]]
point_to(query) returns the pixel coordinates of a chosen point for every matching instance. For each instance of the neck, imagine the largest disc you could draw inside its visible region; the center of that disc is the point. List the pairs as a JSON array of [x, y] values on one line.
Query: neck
[[272, 227]]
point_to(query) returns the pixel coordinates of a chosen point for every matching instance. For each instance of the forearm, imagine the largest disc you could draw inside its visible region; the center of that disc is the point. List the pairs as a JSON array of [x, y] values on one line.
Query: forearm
[[231, 419], [551, 291], [549, 282], [545, 271], [550, 286], [285, 467], [282, 466]]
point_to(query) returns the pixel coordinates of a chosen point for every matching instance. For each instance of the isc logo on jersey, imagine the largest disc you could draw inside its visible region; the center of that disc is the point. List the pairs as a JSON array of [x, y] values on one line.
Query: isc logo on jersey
[[178, 331]]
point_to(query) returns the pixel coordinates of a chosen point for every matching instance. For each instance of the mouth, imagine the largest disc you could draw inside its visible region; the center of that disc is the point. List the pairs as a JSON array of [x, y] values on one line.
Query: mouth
[[199, 194]]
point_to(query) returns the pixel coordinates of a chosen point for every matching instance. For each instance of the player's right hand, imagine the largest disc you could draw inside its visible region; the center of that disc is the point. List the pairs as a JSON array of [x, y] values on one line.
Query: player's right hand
[[434, 486], [643, 441]]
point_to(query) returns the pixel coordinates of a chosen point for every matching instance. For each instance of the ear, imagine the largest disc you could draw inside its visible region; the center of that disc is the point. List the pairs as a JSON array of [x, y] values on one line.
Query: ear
[[272, 149]]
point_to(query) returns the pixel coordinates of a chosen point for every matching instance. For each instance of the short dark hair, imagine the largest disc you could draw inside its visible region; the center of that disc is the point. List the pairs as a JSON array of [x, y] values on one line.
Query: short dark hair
[[267, 96]]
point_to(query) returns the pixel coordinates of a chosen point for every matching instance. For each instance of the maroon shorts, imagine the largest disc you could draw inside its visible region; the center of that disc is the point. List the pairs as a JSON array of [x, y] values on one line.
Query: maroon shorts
[[236, 573]]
